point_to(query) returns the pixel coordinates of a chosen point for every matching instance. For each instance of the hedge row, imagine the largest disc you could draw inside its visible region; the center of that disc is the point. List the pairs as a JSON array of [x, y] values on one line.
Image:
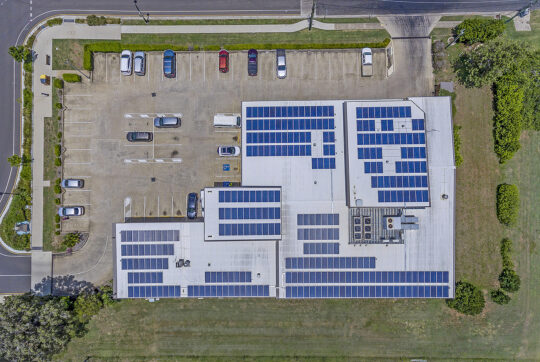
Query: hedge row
[[479, 30], [457, 146], [117, 47], [54, 21], [71, 77], [507, 204], [508, 115]]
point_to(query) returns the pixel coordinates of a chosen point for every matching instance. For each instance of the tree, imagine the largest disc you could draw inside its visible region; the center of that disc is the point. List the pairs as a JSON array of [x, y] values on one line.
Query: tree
[[20, 53], [479, 30], [71, 239], [507, 204], [468, 300], [509, 280], [33, 328], [499, 297], [14, 160], [488, 62], [86, 306]]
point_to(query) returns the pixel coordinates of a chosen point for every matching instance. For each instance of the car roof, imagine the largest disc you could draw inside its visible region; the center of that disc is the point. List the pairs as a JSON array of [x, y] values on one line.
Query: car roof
[[223, 51], [168, 52]]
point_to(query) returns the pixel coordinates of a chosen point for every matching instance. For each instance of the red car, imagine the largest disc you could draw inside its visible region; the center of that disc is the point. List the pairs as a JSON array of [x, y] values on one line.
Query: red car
[[223, 61]]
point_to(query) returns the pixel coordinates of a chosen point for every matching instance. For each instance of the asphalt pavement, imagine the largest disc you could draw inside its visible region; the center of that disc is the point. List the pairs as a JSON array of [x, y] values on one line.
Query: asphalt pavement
[[19, 16]]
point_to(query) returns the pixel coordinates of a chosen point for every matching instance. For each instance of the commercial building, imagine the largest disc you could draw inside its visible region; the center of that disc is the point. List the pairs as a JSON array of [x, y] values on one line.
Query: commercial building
[[339, 199]]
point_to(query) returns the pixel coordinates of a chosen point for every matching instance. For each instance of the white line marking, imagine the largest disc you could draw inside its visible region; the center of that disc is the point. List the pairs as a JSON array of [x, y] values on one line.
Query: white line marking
[[77, 163], [66, 122], [78, 191], [79, 149], [169, 145], [137, 145], [16, 275]]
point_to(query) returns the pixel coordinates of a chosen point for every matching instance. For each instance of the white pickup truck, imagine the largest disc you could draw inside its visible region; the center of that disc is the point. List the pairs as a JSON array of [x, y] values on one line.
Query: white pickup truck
[[367, 62]]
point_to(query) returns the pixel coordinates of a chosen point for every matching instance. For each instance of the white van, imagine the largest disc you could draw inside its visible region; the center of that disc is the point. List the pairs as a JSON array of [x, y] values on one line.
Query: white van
[[227, 120]]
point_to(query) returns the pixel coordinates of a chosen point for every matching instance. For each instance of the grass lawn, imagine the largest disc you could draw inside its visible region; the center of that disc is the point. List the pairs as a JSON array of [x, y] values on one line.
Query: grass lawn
[[211, 21], [532, 37], [397, 329], [347, 20], [72, 49], [50, 172]]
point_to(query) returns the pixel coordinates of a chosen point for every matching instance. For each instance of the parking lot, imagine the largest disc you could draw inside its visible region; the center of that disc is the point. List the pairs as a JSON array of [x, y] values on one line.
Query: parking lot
[[149, 180]]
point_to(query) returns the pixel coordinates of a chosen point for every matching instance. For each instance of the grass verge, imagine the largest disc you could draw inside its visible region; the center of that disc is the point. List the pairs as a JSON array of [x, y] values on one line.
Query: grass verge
[[211, 21], [347, 20], [531, 37]]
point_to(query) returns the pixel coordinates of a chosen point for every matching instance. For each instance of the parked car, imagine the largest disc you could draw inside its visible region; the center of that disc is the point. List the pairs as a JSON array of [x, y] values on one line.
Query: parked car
[[72, 183], [367, 56], [125, 62], [71, 211], [166, 122], [192, 205], [252, 62], [281, 66], [140, 136], [225, 151], [223, 61], [169, 63], [139, 63]]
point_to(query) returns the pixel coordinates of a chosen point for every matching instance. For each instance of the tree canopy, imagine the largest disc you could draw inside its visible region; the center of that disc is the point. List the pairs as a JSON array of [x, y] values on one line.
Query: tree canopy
[[468, 300]]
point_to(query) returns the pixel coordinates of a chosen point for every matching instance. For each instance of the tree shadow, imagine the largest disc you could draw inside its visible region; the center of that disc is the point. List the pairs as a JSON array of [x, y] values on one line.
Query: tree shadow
[[64, 285]]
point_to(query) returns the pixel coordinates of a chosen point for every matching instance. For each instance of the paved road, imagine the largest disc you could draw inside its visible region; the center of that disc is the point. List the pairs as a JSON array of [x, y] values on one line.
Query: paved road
[[18, 16]]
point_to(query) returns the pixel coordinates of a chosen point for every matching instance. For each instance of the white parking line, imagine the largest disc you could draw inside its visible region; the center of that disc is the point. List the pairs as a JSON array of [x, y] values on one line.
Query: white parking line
[[76, 176], [169, 145], [80, 149], [204, 66], [106, 68], [190, 66], [225, 131], [77, 163], [75, 135], [78, 95], [78, 190], [148, 68], [65, 122], [148, 145]]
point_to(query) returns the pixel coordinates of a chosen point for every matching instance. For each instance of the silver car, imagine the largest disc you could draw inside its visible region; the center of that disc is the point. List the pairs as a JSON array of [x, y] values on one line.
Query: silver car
[[72, 183], [281, 65], [139, 63], [125, 62], [71, 211], [166, 122]]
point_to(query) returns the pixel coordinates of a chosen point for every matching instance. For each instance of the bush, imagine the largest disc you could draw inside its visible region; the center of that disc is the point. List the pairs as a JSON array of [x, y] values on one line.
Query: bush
[[508, 115], [28, 96], [58, 162], [71, 77], [58, 181], [507, 204], [94, 20], [71, 239], [58, 105], [509, 280], [86, 306], [468, 300], [58, 83], [117, 47], [506, 249], [57, 218], [57, 189], [20, 53], [59, 135], [499, 297], [54, 21], [27, 66], [57, 150], [479, 30], [58, 226], [14, 160], [457, 146], [57, 201]]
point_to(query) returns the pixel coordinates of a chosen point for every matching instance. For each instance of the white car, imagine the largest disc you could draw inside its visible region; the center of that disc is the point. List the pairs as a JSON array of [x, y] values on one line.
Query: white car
[[72, 183], [281, 64], [226, 151], [139, 63], [71, 211], [126, 62], [367, 56]]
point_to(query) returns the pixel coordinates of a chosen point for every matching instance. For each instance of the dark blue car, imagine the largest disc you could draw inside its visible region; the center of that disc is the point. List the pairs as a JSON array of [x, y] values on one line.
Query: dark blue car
[[169, 63]]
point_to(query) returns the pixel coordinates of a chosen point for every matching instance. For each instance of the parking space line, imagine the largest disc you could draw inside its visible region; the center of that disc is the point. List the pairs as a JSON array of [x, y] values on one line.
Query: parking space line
[[169, 144], [190, 66], [106, 79], [204, 67], [78, 191], [225, 131], [77, 163], [75, 135], [136, 145], [77, 176], [147, 67], [78, 95], [80, 149]]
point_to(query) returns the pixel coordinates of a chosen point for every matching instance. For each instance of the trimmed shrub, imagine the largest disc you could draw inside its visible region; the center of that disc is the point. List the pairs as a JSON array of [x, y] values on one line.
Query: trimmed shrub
[[508, 115], [71, 239], [54, 21], [117, 47], [506, 249], [507, 204], [509, 280], [27, 66], [499, 297], [58, 83], [479, 30], [57, 218], [58, 181], [58, 105], [57, 232], [57, 201], [71, 77], [468, 300], [57, 189], [457, 146], [59, 135], [57, 150], [58, 162], [93, 20]]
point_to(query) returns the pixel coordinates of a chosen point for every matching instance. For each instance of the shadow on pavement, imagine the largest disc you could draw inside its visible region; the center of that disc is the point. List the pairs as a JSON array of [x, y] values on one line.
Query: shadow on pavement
[[65, 285]]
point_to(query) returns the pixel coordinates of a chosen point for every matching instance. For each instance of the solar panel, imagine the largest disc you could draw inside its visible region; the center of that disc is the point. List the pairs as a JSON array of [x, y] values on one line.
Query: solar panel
[[229, 291]]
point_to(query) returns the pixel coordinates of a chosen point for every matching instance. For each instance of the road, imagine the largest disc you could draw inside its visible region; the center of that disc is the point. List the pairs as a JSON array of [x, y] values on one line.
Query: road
[[18, 17]]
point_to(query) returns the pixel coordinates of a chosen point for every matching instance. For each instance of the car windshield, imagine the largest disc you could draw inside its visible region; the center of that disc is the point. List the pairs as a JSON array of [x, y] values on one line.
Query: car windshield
[[229, 149], [252, 56], [281, 67]]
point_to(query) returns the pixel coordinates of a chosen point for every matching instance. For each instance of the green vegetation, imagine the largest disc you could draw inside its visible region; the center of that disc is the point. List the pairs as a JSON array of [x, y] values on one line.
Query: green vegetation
[[510, 280], [508, 106], [210, 21], [14, 160], [20, 53], [93, 20], [479, 30], [71, 77], [532, 38], [34, 328], [468, 299], [499, 297], [54, 21], [347, 20], [507, 204], [71, 239], [58, 83], [457, 146]]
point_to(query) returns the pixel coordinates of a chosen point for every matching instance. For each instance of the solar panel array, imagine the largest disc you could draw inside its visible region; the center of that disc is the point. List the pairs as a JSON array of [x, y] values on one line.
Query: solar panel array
[[246, 213], [147, 249], [318, 234], [317, 219], [367, 277], [154, 291], [150, 235], [250, 229], [145, 277], [145, 263], [380, 126], [321, 248], [378, 291], [338, 262], [227, 277], [295, 125], [249, 196], [228, 291]]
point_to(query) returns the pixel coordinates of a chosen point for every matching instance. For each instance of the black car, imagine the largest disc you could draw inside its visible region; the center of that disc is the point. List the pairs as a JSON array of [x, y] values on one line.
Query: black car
[[192, 205], [140, 136], [252, 62]]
